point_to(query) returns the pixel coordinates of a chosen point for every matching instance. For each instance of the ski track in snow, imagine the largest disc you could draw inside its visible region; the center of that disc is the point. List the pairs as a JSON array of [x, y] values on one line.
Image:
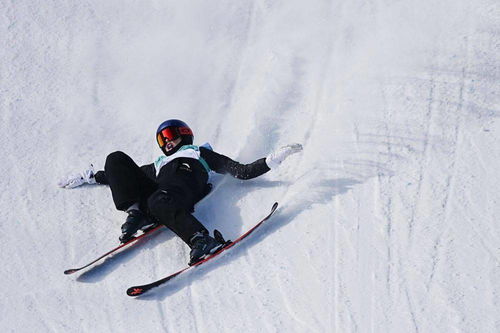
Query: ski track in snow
[[387, 219]]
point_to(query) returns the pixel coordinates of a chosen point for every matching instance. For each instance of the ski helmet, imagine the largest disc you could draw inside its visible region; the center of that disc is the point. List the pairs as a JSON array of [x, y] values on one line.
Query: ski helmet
[[171, 130]]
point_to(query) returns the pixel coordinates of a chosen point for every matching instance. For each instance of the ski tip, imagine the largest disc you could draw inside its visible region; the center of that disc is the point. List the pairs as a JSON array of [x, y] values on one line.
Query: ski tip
[[275, 205], [70, 271], [135, 291]]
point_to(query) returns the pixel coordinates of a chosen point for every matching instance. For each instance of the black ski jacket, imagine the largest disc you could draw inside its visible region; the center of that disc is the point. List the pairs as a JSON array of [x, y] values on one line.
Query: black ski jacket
[[191, 177]]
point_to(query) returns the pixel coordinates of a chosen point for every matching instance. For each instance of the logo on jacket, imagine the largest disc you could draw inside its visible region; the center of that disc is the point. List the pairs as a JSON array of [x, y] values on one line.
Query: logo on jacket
[[185, 167]]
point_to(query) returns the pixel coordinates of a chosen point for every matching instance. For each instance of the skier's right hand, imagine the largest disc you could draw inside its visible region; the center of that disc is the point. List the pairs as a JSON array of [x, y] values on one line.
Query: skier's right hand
[[77, 179]]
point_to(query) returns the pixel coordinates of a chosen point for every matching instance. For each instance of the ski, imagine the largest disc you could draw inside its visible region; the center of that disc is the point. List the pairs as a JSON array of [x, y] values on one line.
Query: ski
[[132, 240], [139, 290]]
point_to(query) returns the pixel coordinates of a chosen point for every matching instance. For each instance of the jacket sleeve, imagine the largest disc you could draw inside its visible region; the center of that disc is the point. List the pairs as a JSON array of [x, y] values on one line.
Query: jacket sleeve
[[223, 164], [148, 169], [100, 177]]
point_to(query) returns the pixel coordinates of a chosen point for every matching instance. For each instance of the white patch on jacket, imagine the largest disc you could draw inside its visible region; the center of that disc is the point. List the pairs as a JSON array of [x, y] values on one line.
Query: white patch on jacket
[[164, 160]]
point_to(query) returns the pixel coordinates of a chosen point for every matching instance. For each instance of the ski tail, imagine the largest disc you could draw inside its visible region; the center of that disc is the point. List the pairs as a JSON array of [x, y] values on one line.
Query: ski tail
[[133, 240]]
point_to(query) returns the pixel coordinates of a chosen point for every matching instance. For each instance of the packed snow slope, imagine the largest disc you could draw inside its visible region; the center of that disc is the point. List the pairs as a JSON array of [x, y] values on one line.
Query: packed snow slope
[[388, 220]]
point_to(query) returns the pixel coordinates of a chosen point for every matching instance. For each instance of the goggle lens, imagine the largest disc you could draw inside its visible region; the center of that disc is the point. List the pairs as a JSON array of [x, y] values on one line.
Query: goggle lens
[[159, 138], [171, 133]]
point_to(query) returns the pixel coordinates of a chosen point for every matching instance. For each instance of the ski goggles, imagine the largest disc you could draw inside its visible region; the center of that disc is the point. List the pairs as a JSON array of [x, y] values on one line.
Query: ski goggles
[[171, 134]]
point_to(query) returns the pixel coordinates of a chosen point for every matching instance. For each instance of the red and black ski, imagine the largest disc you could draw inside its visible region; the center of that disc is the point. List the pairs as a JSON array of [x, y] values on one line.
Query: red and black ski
[[133, 240], [139, 290]]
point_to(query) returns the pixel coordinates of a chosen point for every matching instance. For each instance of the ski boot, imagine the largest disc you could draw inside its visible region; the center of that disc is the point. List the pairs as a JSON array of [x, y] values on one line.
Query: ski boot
[[202, 245], [136, 220]]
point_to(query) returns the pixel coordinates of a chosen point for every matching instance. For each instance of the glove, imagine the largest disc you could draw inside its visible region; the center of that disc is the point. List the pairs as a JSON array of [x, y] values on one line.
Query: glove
[[75, 180], [274, 159]]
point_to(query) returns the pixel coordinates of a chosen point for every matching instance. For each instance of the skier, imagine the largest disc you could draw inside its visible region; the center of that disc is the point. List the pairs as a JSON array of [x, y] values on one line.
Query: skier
[[166, 191]]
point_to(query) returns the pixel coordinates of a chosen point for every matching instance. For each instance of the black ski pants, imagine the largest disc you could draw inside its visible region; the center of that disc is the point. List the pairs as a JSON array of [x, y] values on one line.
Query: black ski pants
[[168, 205]]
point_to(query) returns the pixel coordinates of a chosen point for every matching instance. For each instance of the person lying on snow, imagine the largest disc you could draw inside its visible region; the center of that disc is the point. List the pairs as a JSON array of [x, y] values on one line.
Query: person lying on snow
[[166, 191]]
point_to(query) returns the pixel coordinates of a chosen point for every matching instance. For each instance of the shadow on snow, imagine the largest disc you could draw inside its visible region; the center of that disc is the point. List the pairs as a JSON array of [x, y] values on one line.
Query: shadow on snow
[[282, 217], [100, 270]]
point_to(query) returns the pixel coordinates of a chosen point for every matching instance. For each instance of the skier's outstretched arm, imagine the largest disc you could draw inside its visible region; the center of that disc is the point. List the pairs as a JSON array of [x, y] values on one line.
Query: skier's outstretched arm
[[73, 180], [148, 169], [223, 164], [89, 176]]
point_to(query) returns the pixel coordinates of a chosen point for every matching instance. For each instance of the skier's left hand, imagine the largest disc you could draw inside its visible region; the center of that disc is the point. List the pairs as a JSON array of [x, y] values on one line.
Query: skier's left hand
[[274, 159], [75, 180]]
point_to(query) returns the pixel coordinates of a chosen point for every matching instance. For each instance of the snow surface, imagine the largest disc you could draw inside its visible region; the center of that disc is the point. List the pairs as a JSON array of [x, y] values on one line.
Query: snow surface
[[388, 219]]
